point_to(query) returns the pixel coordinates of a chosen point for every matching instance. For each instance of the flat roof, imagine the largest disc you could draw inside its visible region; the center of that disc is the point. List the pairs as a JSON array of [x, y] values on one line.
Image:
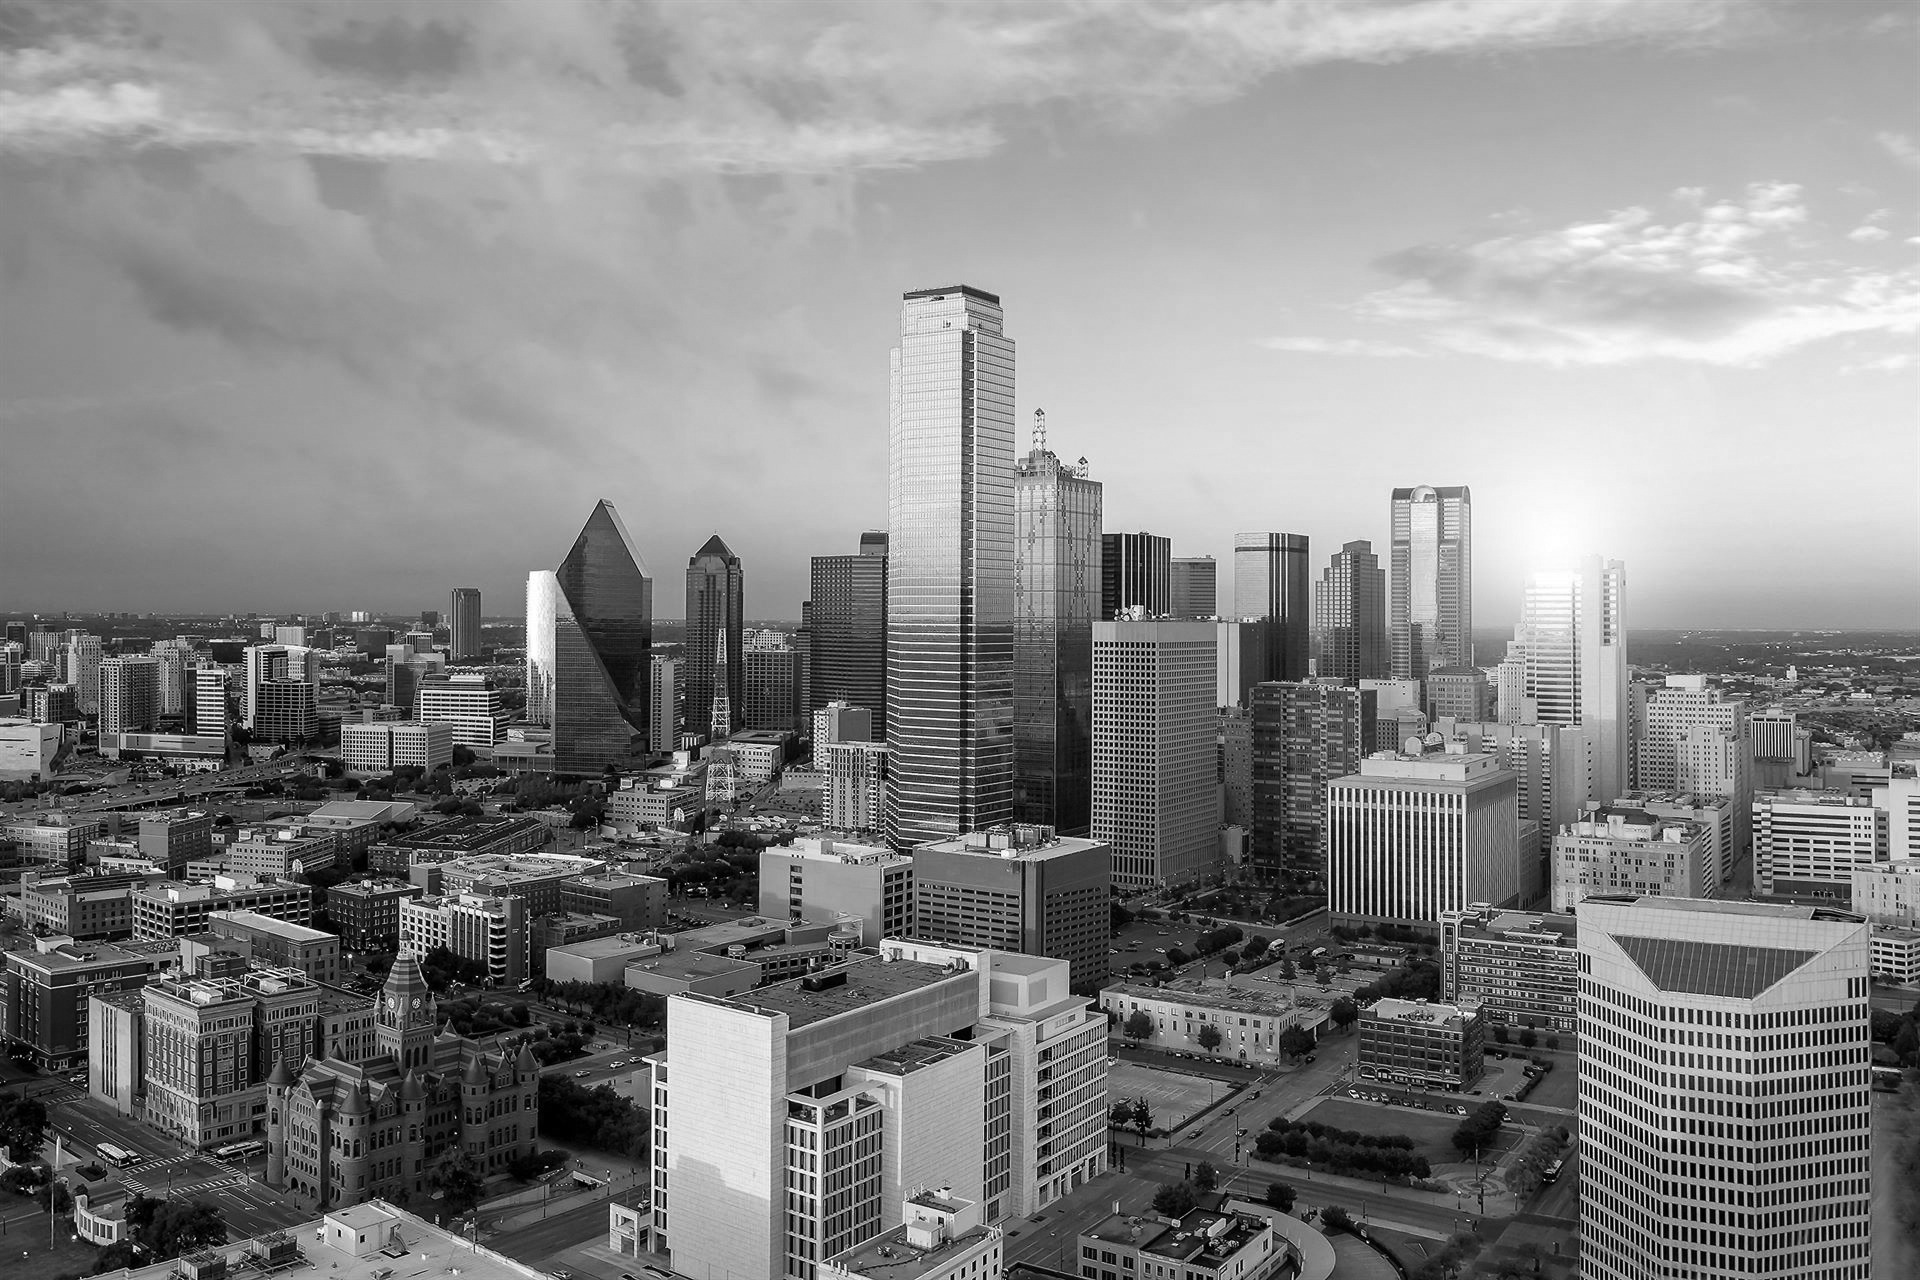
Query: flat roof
[[867, 981], [617, 944], [965, 289], [888, 1256], [1418, 1011], [267, 924], [1238, 1000], [1057, 846], [914, 1056]]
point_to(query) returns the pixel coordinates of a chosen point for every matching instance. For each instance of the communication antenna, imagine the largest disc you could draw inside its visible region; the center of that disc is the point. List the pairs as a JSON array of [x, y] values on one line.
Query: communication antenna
[[1040, 430]]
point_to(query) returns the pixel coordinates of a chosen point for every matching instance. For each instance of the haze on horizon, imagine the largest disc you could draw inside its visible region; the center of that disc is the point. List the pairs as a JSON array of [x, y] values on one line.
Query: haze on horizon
[[339, 307]]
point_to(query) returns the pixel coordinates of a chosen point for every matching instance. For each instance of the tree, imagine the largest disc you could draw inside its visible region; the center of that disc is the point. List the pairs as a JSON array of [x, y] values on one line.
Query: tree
[[1552, 1041], [1907, 1043], [1230, 956], [457, 1180], [1177, 957], [1205, 1176], [1142, 1118], [1173, 1199], [1336, 1219], [1118, 917], [1281, 1196], [23, 1126], [1139, 1025], [1529, 1037], [1344, 1013], [1294, 1041], [1500, 1035], [1289, 970], [1120, 1115], [168, 1228], [1323, 975], [1209, 1037]]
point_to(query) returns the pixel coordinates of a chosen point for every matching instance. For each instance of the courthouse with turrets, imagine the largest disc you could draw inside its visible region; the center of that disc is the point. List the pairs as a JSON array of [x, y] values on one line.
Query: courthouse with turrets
[[340, 1132]]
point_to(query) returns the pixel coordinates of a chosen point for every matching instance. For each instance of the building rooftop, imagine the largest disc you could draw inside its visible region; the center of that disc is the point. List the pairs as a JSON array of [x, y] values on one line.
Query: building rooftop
[[463, 833], [367, 810], [1233, 1000], [1808, 795], [267, 924], [371, 886], [688, 966], [1711, 968], [67, 955], [614, 879], [1527, 926], [1014, 840], [614, 945], [1389, 1008], [914, 1056], [829, 994], [1203, 1238], [1727, 906], [827, 848]]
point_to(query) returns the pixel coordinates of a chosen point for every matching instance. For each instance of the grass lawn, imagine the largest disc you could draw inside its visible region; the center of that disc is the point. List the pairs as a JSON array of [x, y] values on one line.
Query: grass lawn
[[38, 1262], [1431, 1131]]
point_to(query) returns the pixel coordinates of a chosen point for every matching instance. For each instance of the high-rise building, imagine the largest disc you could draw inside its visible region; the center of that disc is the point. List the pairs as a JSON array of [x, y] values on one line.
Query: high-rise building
[[1693, 737], [1430, 611], [1350, 615], [1240, 659], [589, 632], [950, 568], [463, 633], [841, 722], [1192, 588], [1459, 693], [1520, 966], [1135, 573], [1304, 736], [209, 711], [1555, 767], [1411, 837], [1235, 744], [1153, 751], [176, 661], [824, 878], [80, 657], [55, 703], [281, 702], [1057, 567], [716, 600], [1019, 888], [1569, 662], [129, 694], [407, 670], [665, 704], [468, 703], [1271, 580], [1723, 1091], [848, 632], [771, 686], [857, 785]]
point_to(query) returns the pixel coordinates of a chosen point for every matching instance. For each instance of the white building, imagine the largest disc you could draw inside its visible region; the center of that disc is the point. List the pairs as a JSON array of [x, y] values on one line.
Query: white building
[[1410, 837], [789, 1121], [1567, 663], [129, 694], [1896, 954], [1154, 774], [856, 784], [940, 1238], [1723, 1091], [825, 878], [474, 926], [1811, 842], [385, 745], [1615, 849], [467, 703], [841, 721], [1686, 702], [1899, 799], [27, 749], [1888, 892], [208, 714], [1554, 764], [1250, 1021], [80, 659]]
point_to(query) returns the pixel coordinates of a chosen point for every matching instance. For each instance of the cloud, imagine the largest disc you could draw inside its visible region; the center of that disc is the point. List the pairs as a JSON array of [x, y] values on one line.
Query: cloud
[[1727, 282], [1896, 363], [1900, 147], [1338, 347], [1868, 234]]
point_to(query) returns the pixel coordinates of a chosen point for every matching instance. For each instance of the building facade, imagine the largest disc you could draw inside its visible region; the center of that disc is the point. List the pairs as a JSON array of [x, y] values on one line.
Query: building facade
[[1303, 737], [366, 912], [469, 704], [463, 624], [1520, 967], [1250, 1021], [848, 635], [1428, 1046], [1810, 843], [1192, 588], [1568, 661], [47, 989], [1430, 611], [1616, 849], [1019, 888], [1135, 574], [1350, 615], [716, 598], [824, 878], [857, 786], [382, 746], [1272, 582]]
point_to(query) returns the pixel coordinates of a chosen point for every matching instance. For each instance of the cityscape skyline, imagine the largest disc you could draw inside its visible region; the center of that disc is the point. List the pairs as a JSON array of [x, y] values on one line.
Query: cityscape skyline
[[356, 322]]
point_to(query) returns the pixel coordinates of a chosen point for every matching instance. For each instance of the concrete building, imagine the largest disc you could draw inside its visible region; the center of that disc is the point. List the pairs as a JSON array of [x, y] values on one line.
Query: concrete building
[[55, 703], [1303, 737], [1809, 843], [56, 839], [636, 901], [1899, 799], [80, 658], [1350, 616], [282, 943], [1425, 1045], [857, 785], [1459, 693], [47, 988], [129, 694], [848, 636], [492, 835], [1192, 588], [841, 721], [1555, 767], [941, 1238], [490, 930], [366, 912], [1018, 888], [468, 704], [1616, 850], [172, 838], [184, 752], [824, 877], [1205, 1244], [1235, 745], [208, 716], [463, 624], [1250, 1020], [1154, 799], [282, 852], [1240, 659], [169, 909], [28, 749], [1723, 1091], [562, 929], [666, 704], [1134, 575], [1518, 966], [279, 700], [205, 1038], [1272, 582], [77, 906], [1430, 611], [772, 684], [1569, 665], [381, 747], [644, 803], [1896, 954], [788, 1121], [1411, 837]]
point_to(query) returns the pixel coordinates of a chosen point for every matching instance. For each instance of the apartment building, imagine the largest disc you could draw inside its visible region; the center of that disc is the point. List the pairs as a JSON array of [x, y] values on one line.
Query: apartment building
[[474, 926]]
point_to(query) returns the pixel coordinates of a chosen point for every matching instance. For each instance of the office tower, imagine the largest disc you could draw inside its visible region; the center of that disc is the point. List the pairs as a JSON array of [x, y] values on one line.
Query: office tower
[[1057, 567], [1271, 580], [16, 633], [294, 636], [1554, 763], [1240, 659], [803, 660], [1153, 751], [720, 720], [1134, 574], [1724, 1110], [1350, 615], [1430, 614], [1459, 693], [1616, 849], [1782, 750], [856, 784], [373, 641], [469, 704], [1809, 843], [385, 745], [407, 669], [209, 713], [1019, 888], [1304, 736], [772, 683], [12, 657], [281, 698], [1192, 588], [715, 603], [950, 568], [665, 703], [1570, 648], [1411, 837], [823, 878], [463, 631], [786, 1118], [129, 694], [848, 633], [80, 658], [429, 619], [1235, 745], [1694, 738], [1712, 762], [175, 658], [589, 630]]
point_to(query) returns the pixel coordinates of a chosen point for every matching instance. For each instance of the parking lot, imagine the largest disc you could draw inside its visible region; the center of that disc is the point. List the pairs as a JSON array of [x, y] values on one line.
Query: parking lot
[[1172, 1096]]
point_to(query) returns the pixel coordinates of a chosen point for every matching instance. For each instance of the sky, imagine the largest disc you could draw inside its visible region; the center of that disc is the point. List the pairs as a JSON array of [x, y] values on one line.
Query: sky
[[313, 306]]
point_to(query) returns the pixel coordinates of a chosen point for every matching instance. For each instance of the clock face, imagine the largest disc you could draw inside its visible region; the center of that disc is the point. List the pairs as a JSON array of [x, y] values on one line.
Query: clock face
[[392, 1003], [416, 1002]]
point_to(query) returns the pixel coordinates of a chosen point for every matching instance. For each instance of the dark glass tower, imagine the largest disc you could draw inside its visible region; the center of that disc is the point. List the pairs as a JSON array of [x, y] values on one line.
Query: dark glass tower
[[589, 630], [849, 631], [1304, 736], [1431, 612], [1350, 615], [1135, 569], [1056, 579], [463, 622], [715, 604], [1270, 580]]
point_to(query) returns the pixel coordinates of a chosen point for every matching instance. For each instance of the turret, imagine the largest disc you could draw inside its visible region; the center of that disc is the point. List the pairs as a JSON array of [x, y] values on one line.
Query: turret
[[278, 1085], [355, 1139]]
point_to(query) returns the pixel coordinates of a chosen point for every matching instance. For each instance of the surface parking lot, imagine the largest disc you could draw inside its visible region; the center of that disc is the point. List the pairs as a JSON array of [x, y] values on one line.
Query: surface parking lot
[[1172, 1096]]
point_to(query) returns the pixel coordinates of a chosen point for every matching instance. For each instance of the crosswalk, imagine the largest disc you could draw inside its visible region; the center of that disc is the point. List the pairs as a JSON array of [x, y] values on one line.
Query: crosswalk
[[166, 1174]]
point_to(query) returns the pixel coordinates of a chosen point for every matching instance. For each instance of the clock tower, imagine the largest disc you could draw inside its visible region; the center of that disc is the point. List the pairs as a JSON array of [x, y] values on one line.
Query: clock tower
[[406, 1017]]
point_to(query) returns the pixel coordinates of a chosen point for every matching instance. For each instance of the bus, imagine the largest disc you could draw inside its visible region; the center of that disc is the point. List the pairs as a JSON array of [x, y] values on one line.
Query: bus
[[240, 1150], [1553, 1170], [117, 1156]]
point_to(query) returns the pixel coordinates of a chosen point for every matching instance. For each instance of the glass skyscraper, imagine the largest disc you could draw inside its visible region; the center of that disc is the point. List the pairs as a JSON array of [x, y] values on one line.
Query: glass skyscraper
[[715, 608], [589, 632], [950, 568], [1567, 663], [463, 623], [1135, 569], [1430, 611], [1271, 580], [848, 630], [1056, 597], [1350, 615]]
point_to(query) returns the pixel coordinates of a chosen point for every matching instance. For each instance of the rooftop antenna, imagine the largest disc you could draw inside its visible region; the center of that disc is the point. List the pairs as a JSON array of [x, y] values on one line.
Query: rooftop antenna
[[1039, 430]]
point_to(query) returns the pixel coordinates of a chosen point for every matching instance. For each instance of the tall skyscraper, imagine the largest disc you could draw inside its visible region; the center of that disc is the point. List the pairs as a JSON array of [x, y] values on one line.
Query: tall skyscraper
[[1304, 736], [589, 636], [463, 633], [1154, 758], [771, 687], [208, 716], [1350, 615], [1192, 588], [1056, 597], [715, 607], [129, 694], [1723, 1091], [1568, 662], [665, 709], [1430, 616], [950, 568], [848, 634], [80, 657], [1271, 580], [1135, 572]]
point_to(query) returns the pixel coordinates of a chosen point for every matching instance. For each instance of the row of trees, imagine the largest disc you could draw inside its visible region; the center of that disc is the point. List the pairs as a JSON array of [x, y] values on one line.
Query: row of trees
[[610, 1002], [597, 1118], [1530, 1162], [1526, 1037], [1341, 1151], [23, 1126]]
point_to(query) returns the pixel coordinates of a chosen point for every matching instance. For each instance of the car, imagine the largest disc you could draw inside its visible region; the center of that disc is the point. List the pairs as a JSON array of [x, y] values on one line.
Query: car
[[561, 1273], [581, 1075], [1161, 950], [1309, 1057], [1227, 1112], [1114, 951], [1111, 1060]]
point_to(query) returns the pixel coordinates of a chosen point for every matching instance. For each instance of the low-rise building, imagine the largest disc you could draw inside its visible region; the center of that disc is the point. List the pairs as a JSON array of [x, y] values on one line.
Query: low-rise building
[[46, 992], [28, 749], [1415, 1042], [561, 929], [601, 959], [824, 876], [940, 1237], [53, 839], [1888, 892], [383, 746], [1204, 1244], [1521, 967], [191, 752], [282, 943], [78, 906], [168, 909], [759, 754], [1250, 1022], [504, 835], [1612, 849], [366, 912], [284, 851], [644, 803], [1896, 954], [636, 901]]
